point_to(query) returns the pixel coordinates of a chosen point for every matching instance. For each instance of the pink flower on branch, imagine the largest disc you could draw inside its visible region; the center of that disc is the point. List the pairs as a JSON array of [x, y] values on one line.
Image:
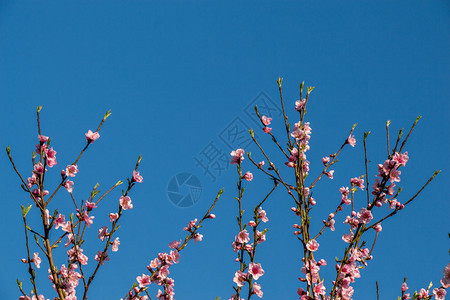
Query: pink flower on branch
[[99, 255], [243, 237], [59, 221], [88, 219], [364, 215], [137, 177], [113, 216], [439, 294], [262, 215], [143, 280], [330, 174], [190, 226], [42, 138], [91, 136], [266, 121], [351, 140], [237, 156], [300, 104], [115, 245], [240, 278], [71, 170], [256, 270], [198, 237], [37, 259], [257, 290], [267, 129], [312, 245], [39, 168], [125, 202], [248, 176], [90, 205], [103, 233], [69, 186]]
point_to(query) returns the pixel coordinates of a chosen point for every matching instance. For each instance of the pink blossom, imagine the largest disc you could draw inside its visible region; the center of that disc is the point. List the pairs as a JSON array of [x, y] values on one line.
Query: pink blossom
[[423, 294], [71, 170], [351, 140], [325, 160], [69, 186], [59, 221], [103, 233], [256, 270], [260, 237], [90, 205], [262, 215], [261, 164], [41, 148], [394, 175], [331, 224], [91, 136], [137, 177], [51, 157], [267, 129], [39, 168], [37, 259], [358, 182], [198, 237], [248, 176], [243, 237], [67, 227], [400, 159], [43, 138], [103, 256], [329, 174], [212, 216], [404, 287], [348, 237], [155, 263], [125, 202], [113, 216], [190, 226], [87, 219], [344, 191], [31, 180], [240, 278], [299, 104], [115, 245], [266, 121], [378, 228], [322, 262], [312, 245], [175, 244], [143, 280], [257, 290], [70, 239], [237, 156], [364, 215], [251, 223], [439, 294], [319, 289]]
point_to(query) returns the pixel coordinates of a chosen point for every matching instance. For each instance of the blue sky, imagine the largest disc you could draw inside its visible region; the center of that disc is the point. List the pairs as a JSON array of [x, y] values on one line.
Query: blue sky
[[176, 76]]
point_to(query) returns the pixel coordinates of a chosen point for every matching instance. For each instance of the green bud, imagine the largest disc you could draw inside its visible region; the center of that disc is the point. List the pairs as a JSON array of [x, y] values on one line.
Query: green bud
[[107, 114]]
